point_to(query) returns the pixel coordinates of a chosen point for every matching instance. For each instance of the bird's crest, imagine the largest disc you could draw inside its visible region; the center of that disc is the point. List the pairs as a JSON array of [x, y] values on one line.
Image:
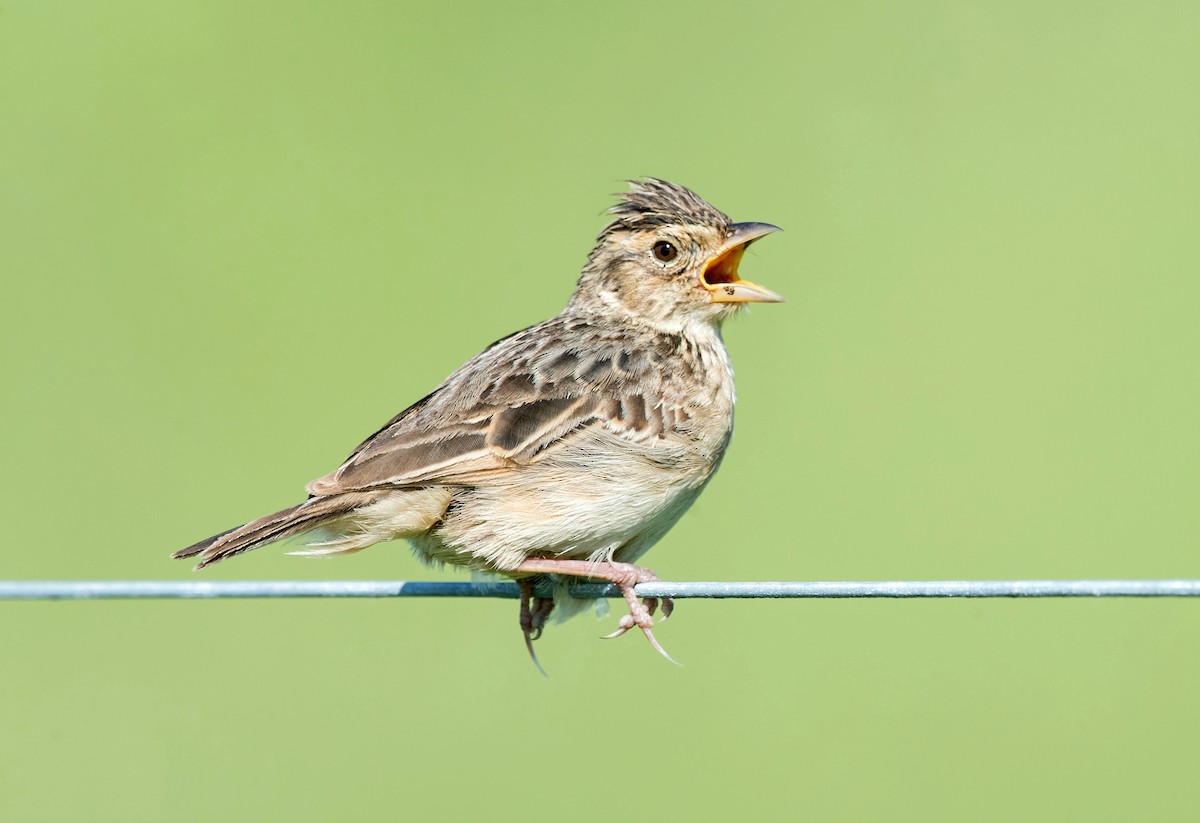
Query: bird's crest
[[652, 202]]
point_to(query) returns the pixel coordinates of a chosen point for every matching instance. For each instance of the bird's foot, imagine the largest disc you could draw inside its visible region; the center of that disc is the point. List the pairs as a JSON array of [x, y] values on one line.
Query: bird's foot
[[533, 619], [625, 576], [641, 612]]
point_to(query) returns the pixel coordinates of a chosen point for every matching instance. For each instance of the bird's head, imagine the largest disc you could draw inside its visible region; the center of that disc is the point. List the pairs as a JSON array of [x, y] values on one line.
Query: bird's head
[[670, 258]]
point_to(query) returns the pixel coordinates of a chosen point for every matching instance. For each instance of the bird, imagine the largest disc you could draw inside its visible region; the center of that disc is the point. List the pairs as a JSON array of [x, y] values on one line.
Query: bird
[[569, 448]]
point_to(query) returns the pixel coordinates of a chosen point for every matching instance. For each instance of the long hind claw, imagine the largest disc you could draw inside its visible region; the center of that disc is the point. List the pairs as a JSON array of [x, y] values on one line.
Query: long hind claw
[[533, 654], [658, 646]]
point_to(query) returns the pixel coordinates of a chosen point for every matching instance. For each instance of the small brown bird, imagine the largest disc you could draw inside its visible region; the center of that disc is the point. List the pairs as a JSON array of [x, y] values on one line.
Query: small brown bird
[[567, 449]]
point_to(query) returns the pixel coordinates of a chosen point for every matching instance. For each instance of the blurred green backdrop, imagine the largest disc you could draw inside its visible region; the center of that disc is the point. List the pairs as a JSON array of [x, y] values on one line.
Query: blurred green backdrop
[[235, 238]]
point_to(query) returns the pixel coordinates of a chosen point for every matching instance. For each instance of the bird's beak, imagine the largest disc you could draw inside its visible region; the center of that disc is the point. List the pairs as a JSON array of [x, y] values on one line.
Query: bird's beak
[[720, 275]]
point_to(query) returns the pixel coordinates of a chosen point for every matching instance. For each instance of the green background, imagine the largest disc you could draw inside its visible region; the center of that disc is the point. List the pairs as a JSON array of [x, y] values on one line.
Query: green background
[[235, 238]]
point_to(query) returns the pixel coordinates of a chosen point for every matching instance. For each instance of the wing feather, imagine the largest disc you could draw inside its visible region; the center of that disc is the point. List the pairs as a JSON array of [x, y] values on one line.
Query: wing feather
[[515, 402]]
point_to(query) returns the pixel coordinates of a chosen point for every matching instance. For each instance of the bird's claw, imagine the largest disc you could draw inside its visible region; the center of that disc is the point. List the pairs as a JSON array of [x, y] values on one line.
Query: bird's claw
[[532, 654], [641, 613], [658, 646], [623, 625], [625, 576], [627, 622], [651, 604], [533, 620], [542, 606]]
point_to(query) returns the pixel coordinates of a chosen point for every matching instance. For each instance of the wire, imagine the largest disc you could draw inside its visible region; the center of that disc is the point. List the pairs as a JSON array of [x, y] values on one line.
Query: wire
[[188, 590]]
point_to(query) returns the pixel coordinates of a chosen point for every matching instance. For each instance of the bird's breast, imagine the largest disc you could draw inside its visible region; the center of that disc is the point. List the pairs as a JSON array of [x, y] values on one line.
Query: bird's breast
[[703, 388]]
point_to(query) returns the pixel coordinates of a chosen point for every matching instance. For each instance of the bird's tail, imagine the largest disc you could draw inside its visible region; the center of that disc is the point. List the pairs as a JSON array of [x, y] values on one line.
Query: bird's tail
[[307, 516]]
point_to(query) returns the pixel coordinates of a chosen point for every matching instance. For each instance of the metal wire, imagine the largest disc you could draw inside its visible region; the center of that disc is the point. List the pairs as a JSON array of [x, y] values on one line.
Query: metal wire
[[192, 589]]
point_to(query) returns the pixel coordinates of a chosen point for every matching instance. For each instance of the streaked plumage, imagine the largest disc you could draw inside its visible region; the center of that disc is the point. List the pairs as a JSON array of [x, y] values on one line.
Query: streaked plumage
[[583, 438]]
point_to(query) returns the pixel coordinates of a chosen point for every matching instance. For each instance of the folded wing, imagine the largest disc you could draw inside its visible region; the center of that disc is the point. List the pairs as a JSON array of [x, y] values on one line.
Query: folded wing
[[513, 404]]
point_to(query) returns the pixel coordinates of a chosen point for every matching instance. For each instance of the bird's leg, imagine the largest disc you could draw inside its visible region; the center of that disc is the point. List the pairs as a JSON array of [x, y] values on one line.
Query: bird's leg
[[528, 622], [623, 575]]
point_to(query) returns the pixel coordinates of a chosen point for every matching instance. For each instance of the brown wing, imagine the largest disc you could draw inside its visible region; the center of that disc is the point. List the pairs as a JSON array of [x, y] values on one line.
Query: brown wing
[[523, 397]]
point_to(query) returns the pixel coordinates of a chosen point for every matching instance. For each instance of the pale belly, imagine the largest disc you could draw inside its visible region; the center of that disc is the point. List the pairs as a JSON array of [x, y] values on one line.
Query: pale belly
[[598, 502]]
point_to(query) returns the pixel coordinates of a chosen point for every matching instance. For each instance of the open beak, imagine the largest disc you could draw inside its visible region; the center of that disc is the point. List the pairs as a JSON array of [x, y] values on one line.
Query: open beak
[[720, 273]]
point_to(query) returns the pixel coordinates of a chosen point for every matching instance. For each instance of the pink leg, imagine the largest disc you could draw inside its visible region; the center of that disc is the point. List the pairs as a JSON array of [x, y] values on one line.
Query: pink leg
[[623, 575]]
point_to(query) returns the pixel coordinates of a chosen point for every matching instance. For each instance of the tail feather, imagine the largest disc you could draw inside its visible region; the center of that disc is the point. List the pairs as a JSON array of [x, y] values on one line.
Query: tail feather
[[288, 522], [197, 548]]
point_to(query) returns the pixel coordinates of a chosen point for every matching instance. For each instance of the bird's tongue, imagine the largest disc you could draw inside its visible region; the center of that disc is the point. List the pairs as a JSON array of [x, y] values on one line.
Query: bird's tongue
[[723, 269]]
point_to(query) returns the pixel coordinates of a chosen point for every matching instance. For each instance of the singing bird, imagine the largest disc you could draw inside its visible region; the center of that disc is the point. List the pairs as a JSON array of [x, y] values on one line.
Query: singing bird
[[569, 448]]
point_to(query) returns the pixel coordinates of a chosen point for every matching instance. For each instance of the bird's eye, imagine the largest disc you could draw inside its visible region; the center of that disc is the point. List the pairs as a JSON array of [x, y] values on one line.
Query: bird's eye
[[665, 251]]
